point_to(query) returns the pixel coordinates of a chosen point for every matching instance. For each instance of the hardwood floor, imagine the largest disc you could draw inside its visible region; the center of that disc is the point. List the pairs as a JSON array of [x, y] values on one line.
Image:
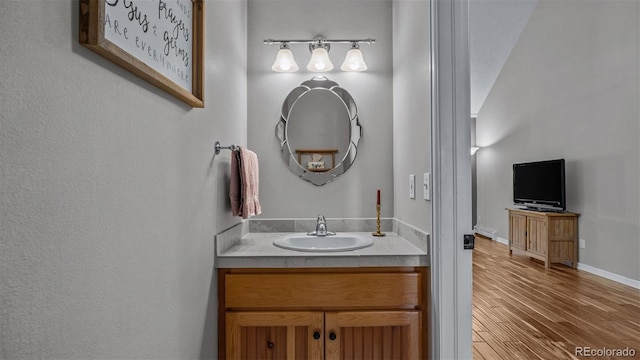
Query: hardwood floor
[[522, 311]]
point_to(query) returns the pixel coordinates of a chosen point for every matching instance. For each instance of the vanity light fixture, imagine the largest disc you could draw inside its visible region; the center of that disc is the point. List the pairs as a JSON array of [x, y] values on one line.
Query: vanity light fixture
[[354, 61], [284, 60], [320, 61]]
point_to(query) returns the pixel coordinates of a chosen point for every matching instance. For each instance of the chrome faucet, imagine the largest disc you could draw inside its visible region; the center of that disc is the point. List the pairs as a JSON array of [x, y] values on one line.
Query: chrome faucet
[[321, 228]]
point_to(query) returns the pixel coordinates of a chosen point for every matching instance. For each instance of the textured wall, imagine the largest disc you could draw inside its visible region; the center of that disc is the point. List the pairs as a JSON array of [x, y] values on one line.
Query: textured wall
[[411, 109], [109, 205], [494, 27], [570, 89], [353, 194]]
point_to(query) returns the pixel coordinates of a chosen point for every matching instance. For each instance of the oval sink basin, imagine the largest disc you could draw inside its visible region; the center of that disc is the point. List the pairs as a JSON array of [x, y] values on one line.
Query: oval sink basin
[[331, 243]]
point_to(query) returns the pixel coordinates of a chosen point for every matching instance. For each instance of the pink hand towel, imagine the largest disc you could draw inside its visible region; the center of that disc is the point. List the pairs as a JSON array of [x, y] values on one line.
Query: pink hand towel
[[235, 187], [250, 181]]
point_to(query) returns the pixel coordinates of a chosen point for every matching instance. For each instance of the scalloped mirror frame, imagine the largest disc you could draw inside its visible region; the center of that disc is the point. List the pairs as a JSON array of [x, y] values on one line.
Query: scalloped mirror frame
[[319, 83]]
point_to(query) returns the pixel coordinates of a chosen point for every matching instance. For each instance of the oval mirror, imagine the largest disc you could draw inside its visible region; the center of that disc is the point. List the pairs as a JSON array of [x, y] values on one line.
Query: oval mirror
[[319, 130]]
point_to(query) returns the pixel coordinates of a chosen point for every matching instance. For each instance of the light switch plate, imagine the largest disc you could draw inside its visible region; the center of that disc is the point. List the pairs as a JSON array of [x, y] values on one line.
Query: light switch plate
[[426, 182], [412, 186]]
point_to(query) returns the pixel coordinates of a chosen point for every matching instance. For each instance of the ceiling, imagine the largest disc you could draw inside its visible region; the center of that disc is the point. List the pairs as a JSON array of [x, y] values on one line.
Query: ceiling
[[494, 28]]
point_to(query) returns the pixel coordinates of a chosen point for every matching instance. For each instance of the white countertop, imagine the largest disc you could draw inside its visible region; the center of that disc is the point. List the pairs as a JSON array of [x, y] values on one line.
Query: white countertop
[[256, 250]]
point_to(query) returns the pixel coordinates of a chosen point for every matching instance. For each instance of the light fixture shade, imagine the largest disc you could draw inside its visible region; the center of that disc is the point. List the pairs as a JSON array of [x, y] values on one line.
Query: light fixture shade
[[284, 61], [354, 61], [320, 61]]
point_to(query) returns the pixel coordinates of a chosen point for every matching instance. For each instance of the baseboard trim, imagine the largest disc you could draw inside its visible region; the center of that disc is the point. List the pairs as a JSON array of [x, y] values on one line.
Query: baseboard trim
[[502, 240], [609, 275]]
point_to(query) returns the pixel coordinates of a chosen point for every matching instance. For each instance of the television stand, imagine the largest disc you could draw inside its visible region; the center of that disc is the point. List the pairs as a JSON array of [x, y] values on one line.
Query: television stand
[[540, 209], [551, 237]]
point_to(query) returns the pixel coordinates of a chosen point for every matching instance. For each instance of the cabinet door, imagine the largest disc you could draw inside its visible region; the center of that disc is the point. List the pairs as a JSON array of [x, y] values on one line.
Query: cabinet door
[[274, 335], [518, 231], [372, 335], [537, 235]]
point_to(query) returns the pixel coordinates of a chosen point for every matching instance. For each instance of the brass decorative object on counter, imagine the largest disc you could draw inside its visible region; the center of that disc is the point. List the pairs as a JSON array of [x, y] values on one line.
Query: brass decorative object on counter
[[378, 232]]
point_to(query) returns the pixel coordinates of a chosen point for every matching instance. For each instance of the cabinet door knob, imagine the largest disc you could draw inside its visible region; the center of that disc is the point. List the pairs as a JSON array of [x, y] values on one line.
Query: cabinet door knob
[[270, 344], [316, 335], [332, 336]]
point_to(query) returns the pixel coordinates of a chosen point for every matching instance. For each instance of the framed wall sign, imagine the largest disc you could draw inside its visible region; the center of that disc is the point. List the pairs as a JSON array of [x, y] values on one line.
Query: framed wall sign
[[161, 41]]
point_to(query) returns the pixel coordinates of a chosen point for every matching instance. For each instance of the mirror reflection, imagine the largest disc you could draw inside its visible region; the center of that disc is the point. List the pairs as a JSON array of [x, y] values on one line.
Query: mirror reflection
[[319, 130]]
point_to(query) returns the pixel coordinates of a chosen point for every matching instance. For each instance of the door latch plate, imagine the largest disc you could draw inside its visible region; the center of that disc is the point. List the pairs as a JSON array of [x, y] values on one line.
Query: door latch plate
[[469, 241]]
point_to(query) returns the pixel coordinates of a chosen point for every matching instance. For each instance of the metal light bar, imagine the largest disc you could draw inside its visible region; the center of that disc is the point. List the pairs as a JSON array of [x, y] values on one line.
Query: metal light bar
[[323, 41]]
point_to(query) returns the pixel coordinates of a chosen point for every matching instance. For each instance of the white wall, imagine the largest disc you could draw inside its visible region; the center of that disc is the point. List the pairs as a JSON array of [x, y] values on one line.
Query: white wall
[[353, 194], [570, 89], [109, 205], [411, 109]]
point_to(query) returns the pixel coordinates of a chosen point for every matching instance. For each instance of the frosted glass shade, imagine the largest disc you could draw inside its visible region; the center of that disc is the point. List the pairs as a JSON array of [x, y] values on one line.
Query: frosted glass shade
[[353, 61], [320, 61], [285, 62]]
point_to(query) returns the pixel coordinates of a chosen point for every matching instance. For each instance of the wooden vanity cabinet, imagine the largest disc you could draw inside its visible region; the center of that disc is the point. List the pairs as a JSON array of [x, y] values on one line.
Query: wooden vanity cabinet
[[323, 313], [274, 335], [547, 236], [372, 335]]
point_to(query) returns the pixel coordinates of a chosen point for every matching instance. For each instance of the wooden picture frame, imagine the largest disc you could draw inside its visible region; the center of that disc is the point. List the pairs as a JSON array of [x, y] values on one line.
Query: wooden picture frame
[[161, 41]]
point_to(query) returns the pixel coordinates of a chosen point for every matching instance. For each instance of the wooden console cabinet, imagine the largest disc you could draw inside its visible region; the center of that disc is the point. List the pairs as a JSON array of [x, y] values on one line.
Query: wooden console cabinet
[[547, 236], [323, 313]]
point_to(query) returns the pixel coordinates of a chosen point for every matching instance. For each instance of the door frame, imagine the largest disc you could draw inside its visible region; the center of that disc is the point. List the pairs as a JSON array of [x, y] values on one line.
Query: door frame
[[451, 285]]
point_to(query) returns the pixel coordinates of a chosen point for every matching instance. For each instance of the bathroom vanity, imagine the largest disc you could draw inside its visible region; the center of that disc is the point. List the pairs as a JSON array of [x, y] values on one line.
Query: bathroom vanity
[[276, 303]]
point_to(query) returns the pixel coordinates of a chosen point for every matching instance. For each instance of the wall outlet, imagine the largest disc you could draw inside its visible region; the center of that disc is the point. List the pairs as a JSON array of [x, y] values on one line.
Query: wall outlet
[[426, 183], [583, 244], [412, 186]]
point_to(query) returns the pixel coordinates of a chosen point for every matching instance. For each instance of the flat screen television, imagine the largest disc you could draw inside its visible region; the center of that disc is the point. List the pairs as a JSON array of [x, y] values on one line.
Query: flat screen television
[[540, 185]]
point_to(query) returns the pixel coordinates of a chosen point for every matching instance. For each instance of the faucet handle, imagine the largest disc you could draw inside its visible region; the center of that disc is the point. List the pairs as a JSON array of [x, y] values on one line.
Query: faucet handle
[[321, 226]]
